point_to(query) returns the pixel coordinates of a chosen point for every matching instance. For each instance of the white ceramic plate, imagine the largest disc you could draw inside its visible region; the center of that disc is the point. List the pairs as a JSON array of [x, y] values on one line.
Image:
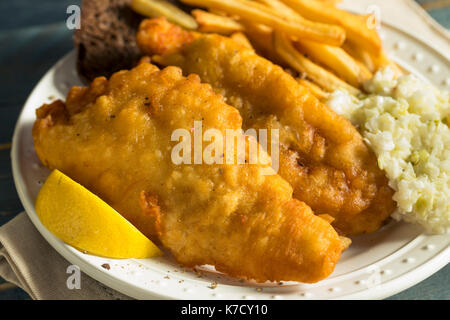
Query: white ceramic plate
[[376, 266]]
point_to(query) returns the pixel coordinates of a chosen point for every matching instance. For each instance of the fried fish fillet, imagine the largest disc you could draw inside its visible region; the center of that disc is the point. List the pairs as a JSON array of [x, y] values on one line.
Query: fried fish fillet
[[322, 155], [115, 138]]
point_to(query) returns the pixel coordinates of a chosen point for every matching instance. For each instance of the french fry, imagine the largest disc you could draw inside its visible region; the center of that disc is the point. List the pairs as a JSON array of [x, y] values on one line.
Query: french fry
[[209, 22], [373, 62], [332, 1], [356, 27], [360, 55], [242, 39], [337, 60], [316, 73], [157, 8], [315, 89], [258, 13], [261, 38], [281, 8], [218, 12], [383, 61], [333, 57], [365, 72]]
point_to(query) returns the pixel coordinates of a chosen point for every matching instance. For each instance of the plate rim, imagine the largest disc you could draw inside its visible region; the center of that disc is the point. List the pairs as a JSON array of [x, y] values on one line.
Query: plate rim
[[381, 291]]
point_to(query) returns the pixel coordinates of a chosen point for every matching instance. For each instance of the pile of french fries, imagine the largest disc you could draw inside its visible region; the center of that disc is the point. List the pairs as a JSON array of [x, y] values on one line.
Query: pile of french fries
[[324, 47]]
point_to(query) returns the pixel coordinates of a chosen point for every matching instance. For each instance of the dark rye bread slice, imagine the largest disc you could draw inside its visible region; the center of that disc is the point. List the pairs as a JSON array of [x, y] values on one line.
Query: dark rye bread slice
[[106, 41]]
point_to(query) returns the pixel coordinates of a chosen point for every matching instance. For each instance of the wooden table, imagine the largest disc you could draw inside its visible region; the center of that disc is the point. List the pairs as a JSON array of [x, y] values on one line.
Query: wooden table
[[33, 36]]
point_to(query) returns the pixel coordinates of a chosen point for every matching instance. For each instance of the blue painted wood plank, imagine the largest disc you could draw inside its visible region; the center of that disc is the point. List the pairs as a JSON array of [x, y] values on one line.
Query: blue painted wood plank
[[441, 15], [14, 294], [10, 203], [23, 63], [18, 13]]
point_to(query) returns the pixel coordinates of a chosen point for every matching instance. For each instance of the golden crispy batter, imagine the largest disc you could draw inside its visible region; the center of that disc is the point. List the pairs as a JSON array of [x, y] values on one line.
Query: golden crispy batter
[[114, 137], [322, 155], [165, 39]]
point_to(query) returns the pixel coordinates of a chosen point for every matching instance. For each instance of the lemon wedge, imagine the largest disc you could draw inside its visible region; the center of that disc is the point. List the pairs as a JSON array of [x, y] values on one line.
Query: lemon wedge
[[84, 221]]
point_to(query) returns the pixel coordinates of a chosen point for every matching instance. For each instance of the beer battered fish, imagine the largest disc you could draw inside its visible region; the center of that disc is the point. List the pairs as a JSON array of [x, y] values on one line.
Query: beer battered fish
[[115, 138], [322, 155]]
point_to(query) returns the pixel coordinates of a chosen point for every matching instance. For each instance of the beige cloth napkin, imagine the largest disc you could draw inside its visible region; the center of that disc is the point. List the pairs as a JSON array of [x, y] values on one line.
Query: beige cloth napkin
[[28, 261]]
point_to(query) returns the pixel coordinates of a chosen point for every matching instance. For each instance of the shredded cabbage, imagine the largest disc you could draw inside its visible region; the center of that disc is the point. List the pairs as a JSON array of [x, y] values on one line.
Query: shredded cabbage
[[405, 121]]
